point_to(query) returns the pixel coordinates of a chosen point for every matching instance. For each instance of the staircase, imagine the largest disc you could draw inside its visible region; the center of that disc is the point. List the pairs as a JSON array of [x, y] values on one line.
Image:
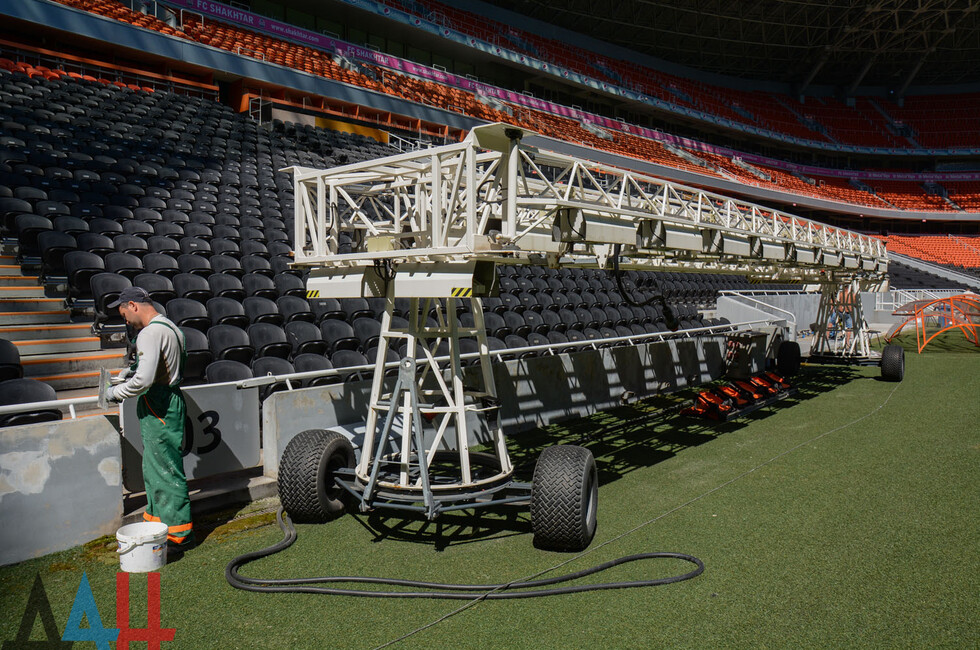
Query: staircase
[[54, 347]]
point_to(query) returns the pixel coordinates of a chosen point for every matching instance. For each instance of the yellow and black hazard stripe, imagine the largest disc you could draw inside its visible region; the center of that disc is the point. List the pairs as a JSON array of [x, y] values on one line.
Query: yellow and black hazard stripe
[[312, 293], [462, 292]]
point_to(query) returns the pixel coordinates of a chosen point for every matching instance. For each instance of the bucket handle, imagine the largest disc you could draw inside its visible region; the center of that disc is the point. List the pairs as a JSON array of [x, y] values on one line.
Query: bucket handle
[[126, 547]]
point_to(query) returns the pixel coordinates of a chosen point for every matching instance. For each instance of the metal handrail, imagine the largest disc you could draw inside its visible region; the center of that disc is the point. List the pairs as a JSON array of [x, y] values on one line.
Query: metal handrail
[[499, 354], [791, 316]]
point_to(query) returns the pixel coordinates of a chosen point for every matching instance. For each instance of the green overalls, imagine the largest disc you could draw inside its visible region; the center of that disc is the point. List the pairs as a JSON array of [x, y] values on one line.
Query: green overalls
[[161, 411]]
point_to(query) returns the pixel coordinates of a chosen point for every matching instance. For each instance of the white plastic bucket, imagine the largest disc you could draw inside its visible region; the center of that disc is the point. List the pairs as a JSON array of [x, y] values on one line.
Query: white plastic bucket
[[142, 546]]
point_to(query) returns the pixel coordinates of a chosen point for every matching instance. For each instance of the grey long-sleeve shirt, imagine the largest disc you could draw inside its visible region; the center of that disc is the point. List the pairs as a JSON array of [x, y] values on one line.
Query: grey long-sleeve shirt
[[155, 341]]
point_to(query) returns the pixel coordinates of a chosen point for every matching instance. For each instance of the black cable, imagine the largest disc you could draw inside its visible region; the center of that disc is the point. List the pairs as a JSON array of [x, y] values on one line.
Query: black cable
[[489, 592], [669, 318]]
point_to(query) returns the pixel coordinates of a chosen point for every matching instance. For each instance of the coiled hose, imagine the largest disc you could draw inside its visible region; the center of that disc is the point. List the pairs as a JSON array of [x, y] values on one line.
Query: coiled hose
[[520, 589]]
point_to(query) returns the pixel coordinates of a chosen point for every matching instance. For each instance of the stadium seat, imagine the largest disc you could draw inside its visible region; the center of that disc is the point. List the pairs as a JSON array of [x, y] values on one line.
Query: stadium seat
[[309, 362], [195, 264], [262, 310], [80, 266], [226, 370], [228, 342], [10, 367], [53, 246], [189, 314], [27, 391], [275, 366], [295, 308], [158, 287], [226, 311], [196, 342], [105, 289], [194, 287], [225, 285]]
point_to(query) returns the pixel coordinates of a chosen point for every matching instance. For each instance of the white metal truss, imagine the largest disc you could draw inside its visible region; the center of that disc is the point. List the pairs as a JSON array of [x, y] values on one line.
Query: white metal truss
[[489, 197]]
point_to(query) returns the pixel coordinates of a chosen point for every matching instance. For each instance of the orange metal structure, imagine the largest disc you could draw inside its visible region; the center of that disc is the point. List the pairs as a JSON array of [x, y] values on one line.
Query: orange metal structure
[[960, 311]]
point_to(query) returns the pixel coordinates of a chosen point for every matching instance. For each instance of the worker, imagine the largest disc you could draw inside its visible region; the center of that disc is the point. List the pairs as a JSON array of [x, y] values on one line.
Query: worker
[[154, 379]]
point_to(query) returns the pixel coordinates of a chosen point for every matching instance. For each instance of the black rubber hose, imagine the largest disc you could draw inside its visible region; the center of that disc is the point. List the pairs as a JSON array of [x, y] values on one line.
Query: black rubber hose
[[454, 592], [670, 320]]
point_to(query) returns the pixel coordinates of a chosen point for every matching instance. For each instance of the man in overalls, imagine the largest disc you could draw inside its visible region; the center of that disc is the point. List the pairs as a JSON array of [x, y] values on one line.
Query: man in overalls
[[154, 379]]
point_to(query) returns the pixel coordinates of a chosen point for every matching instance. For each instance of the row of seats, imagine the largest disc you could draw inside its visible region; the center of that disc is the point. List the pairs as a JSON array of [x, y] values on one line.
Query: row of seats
[[901, 276], [952, 123], [942, 249], [314, 61]]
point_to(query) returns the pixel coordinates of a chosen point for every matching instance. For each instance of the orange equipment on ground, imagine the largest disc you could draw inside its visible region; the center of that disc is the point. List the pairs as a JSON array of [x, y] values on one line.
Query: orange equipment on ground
[[961, 311]]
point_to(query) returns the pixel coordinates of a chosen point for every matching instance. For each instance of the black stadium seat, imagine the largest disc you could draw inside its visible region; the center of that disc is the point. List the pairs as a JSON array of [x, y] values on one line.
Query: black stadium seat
[[305, 338], [269, 340], [10, 367], [313, 363], [105, 289], [276, 366], [53, 246], [339, 335], [231, 343], [80, 266], [226, 311], [226, 370], [195, 287], [198, 353], [159, 287], [295, 308], [27, 391], [124, 264], [225, 285], [262, 310], [189, 314], [161, 264]]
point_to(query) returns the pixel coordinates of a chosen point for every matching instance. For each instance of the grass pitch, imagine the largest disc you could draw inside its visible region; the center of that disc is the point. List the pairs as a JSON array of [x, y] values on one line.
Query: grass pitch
[[844, 517]]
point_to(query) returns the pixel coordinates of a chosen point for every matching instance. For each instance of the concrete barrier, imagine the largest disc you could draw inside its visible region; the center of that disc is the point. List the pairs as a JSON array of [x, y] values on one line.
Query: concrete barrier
[[60, 486]]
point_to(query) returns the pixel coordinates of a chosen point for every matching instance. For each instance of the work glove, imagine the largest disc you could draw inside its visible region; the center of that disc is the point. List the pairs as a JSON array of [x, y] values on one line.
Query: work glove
[[123, 376], [110, 395]]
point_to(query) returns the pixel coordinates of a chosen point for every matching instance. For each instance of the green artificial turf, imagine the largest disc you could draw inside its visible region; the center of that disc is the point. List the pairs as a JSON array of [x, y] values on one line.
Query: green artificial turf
[[844, 517]]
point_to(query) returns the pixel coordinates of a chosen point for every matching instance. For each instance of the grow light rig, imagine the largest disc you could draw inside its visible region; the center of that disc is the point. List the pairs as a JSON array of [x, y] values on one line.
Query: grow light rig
[[430, 226]]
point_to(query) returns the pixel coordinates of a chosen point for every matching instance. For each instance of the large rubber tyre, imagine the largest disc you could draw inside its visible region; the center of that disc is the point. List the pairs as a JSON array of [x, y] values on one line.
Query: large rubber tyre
[[564, 498], [893, 363], [306, 475], [788, 359]]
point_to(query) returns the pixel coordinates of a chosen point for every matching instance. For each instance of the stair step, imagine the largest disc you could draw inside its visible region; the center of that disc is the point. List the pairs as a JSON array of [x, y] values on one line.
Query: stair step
[[21, 291], [87, 380], [20, 280], [58, 345], [8, 304], [43, 331], [41, 317], [50, 365], [9, 270]]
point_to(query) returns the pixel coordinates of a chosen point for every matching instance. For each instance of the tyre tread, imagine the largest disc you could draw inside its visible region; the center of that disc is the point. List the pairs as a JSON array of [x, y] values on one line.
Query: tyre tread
[[557, 517]]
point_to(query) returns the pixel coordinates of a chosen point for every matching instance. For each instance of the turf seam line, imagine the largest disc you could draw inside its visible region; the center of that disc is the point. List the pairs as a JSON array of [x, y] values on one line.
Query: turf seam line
[[478, 599]]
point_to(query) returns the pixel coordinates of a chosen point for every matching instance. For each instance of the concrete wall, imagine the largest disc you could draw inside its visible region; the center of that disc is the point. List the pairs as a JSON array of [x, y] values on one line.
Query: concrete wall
[[60, 486], [533, 392]]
